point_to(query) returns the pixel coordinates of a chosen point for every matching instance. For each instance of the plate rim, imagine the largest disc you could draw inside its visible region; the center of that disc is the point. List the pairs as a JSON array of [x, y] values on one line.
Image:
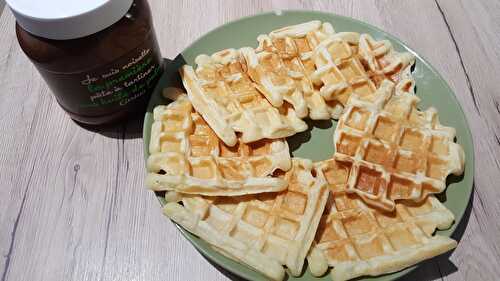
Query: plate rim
[[214, 256]]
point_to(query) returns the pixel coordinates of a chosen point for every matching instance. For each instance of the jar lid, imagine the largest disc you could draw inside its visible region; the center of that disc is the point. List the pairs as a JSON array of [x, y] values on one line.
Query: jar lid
[[66, 19]]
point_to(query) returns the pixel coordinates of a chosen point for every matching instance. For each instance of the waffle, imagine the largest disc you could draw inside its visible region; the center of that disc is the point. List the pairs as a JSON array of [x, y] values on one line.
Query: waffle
[[187, 157], [278, 80], [342, 67], [358, 240], [264, 231], [396, 151], [383, 62], [284, 57], [324, 65], [228, 100]]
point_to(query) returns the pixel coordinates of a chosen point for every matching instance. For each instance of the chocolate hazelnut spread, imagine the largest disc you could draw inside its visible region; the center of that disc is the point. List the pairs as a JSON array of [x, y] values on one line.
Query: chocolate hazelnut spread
[[104, 75]]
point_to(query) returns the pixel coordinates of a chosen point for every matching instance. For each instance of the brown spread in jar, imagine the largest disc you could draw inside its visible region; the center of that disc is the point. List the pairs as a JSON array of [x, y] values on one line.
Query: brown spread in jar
[[101, 73]]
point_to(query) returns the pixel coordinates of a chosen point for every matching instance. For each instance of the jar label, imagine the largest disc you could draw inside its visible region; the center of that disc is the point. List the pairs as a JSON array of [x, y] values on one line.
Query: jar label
[[122, 84], [112, 87]]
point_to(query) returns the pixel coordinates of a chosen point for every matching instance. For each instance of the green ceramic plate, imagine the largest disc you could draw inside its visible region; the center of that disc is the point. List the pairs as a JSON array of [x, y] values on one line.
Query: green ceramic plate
[[316, 143]]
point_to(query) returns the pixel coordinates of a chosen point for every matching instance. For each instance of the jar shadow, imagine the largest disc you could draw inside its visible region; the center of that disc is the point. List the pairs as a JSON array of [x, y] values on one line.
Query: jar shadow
[[127, 129]]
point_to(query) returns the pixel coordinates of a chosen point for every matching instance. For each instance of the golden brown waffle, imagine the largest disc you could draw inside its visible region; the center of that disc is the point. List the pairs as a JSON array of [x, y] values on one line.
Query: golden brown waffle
[[383, 62], [278, 80], [284, 57], [342, 67], [324, 64], [396, 151], [186, 156], [293, 47], [228, 100], [264, 231], [358, 240]]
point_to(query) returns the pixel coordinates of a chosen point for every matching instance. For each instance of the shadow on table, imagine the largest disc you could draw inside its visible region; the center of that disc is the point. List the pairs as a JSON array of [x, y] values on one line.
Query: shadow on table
[[129, 129], [132, 127]]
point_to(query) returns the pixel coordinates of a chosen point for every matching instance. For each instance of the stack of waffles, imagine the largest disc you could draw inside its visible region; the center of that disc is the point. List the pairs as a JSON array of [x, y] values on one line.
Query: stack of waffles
[[220, 156]]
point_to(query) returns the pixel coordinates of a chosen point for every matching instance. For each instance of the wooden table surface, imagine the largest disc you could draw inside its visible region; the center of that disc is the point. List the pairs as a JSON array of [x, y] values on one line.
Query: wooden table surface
[[73, 205]]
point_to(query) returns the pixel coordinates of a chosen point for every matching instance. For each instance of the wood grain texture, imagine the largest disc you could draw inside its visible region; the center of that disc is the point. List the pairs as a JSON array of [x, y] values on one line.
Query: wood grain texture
[[72, 201]]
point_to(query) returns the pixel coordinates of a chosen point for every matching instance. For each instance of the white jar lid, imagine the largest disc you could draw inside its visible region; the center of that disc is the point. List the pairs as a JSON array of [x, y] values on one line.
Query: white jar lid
[[67, 19]]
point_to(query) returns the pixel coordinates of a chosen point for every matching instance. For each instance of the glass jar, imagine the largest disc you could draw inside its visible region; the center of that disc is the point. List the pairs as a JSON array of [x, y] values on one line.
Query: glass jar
[[100, 58]]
